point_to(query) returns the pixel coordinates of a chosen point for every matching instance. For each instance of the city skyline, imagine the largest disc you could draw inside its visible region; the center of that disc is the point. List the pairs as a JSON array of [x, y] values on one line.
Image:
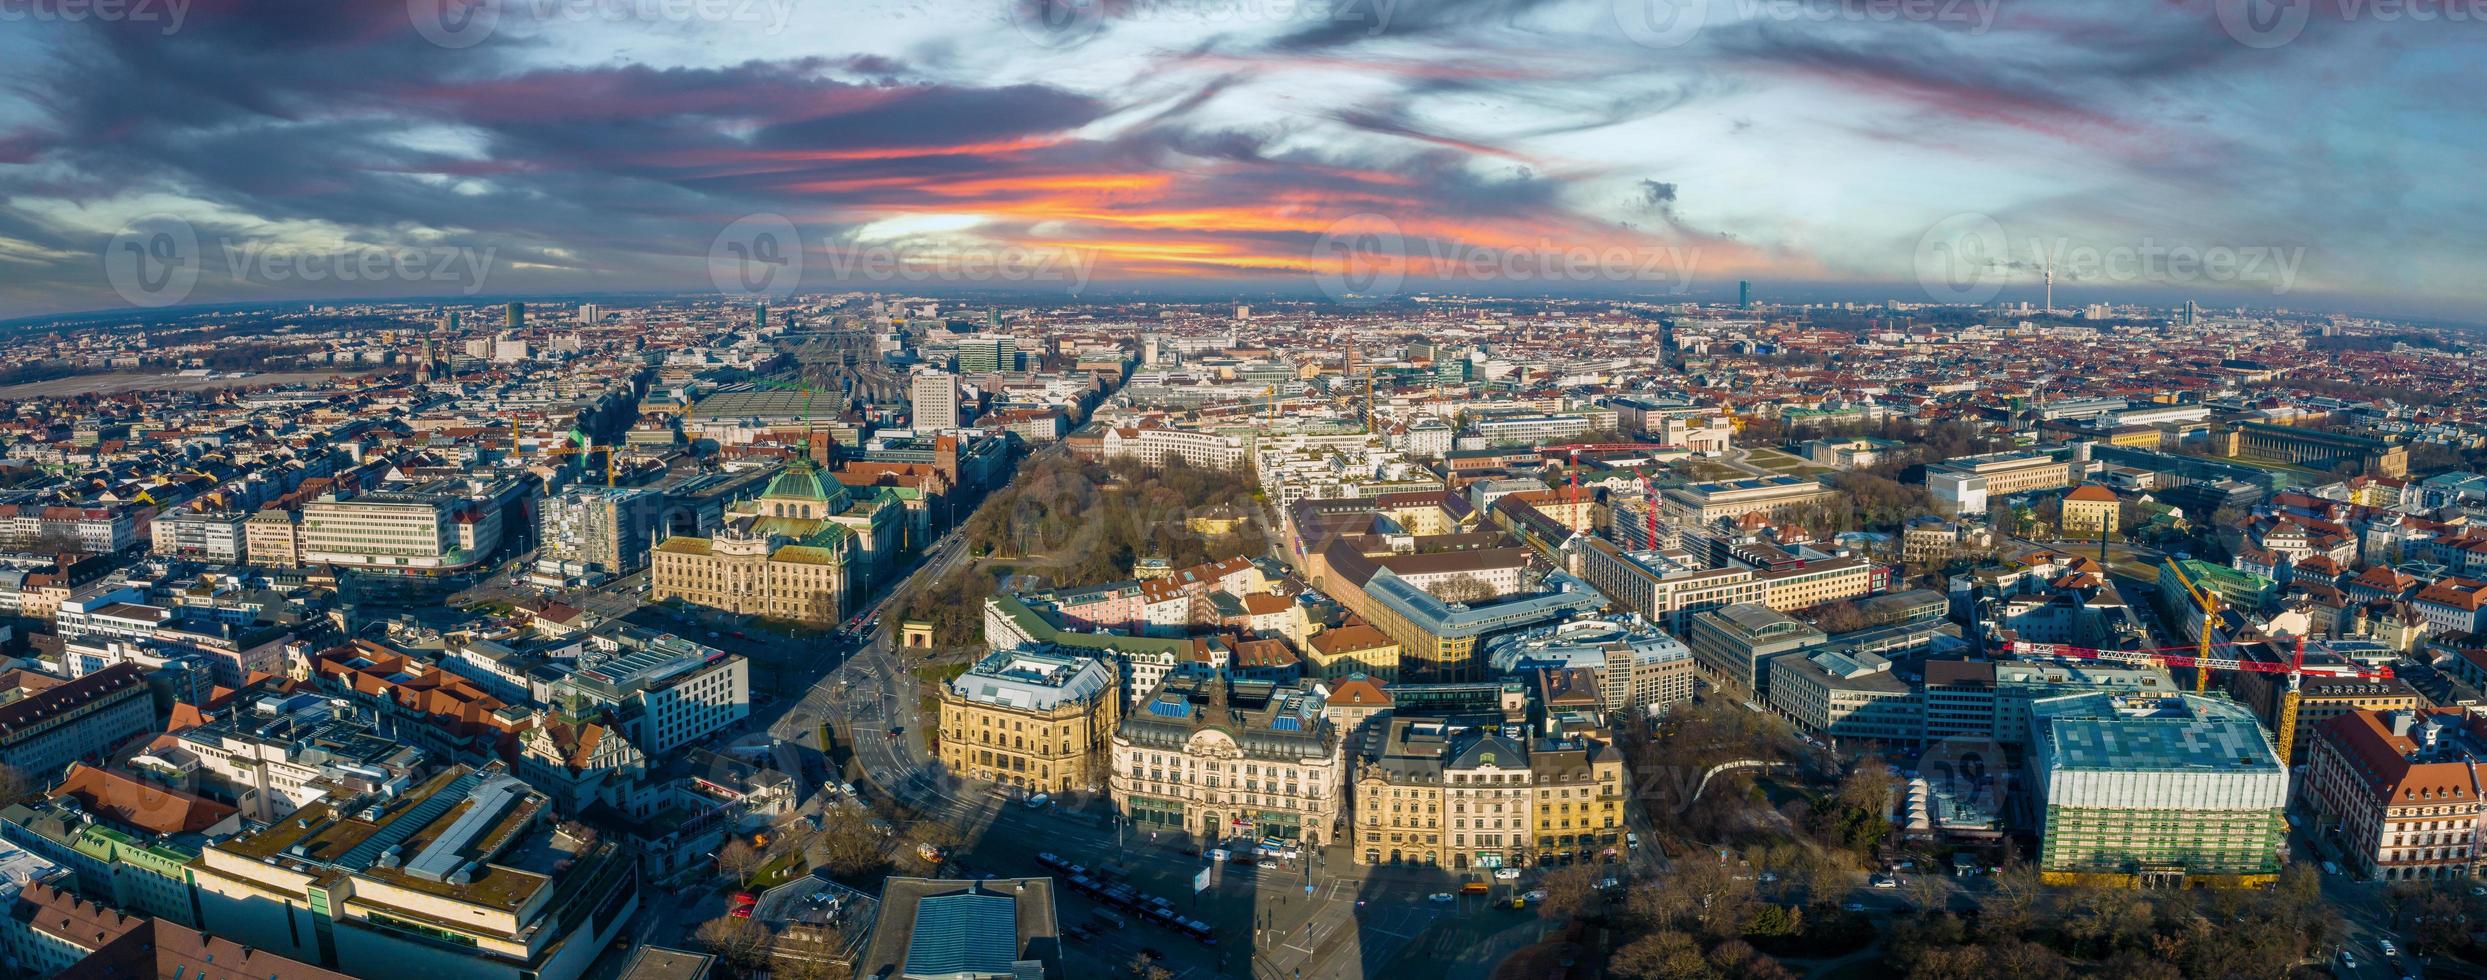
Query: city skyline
[[1905, 153]]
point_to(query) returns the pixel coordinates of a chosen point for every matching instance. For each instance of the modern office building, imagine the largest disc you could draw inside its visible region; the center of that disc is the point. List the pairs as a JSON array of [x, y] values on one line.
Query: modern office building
[[1846, 695], [1734, 645], [437, 528], [1040, 720], [661, 690], [215, 536], [933, 400], [608, 528], [987, 354], [2164, 789], [1639, 667], [465, 875]]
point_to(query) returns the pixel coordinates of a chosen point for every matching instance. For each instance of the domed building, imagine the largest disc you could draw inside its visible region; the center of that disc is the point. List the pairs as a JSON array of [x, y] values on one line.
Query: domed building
[[799, 552]]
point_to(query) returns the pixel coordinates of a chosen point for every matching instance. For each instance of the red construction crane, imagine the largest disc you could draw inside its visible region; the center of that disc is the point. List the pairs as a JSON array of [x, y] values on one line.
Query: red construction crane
[[2185, 657], [1575, 449], [2296, 669]]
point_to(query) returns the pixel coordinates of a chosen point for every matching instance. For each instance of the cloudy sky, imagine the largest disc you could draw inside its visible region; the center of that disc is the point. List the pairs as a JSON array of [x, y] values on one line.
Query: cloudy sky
[[2321, 156]]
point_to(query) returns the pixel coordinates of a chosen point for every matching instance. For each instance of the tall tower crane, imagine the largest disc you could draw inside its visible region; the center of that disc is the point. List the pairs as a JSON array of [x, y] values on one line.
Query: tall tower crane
[[2296, 670], [2208, 602]]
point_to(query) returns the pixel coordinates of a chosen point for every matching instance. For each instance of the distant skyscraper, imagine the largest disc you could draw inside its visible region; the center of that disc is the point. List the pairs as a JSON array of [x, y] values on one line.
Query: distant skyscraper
[[2050, 287], [1243, 311], [2192, 311], [1744, 294], [935, 401], [515, 317], [979, 355], [589, 313], [1152, 349], [760, 317]]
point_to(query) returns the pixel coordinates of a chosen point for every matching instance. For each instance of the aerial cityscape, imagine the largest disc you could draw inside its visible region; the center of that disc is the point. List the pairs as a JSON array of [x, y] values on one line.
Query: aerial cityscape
[[1062, 489]]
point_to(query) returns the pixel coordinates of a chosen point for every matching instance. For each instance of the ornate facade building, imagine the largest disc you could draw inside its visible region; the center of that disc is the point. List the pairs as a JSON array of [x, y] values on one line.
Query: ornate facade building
[[795, 553], [1217, 758], [1036, 719]]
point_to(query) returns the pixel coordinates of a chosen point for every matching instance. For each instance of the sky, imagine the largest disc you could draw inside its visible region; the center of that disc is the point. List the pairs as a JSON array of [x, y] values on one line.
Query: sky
[[2292, 153]]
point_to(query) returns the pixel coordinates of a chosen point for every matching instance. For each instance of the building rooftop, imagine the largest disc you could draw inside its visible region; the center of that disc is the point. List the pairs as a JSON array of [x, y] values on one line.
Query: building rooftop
[[1034, 679], [2152, 733]]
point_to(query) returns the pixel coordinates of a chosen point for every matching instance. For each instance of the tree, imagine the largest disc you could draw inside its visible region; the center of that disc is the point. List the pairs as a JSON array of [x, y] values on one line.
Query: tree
[[15, 788], [1570, 891], [848, 843], [1145, 966], [1463, 588], [740, 942], [1663, 955], [740, 859]]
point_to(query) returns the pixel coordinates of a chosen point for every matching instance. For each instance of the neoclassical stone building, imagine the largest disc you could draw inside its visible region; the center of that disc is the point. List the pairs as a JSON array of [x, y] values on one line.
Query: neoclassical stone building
[[1038, 719], [1218, 758], [792, 554]]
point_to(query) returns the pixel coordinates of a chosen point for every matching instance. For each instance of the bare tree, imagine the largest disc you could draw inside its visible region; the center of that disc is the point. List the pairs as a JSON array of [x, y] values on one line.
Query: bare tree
[[740, 859], [1570, 890], [15, 788], [741, 942], [1463, 588], [849, 844]]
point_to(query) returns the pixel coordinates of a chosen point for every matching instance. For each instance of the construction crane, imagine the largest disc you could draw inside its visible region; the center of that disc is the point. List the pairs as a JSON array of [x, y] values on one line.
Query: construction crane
[[2209, 604], [1574, 449], [2296, 669], [1649, 509]]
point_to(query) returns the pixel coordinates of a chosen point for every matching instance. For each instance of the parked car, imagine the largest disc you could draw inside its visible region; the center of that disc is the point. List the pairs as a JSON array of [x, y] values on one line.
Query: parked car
[[2388, 949], [1442, 897], [1038, 801], [1507, 874], [1853, 906], [746, 898], [742, 913], [1533, 895]]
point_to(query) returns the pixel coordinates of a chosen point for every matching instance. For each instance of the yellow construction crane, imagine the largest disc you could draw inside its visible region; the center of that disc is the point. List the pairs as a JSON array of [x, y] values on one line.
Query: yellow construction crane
[[2208, 602]]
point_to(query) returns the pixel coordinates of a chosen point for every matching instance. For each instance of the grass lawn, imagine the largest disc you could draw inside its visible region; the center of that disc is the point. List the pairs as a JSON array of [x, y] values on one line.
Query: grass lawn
[[1782, 462]]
